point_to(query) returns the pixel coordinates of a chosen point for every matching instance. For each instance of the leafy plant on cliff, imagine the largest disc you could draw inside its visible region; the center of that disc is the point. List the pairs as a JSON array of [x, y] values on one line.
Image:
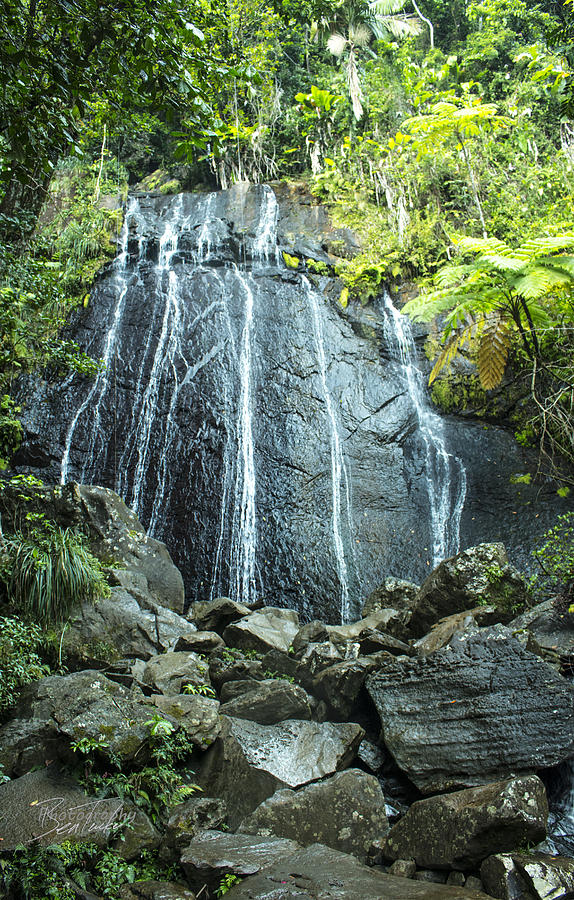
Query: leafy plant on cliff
[[555, 556], [48, 571], [20, 663]]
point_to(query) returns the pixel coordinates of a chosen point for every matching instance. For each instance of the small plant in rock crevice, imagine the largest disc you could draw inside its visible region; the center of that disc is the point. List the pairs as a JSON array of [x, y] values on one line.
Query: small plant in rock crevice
[[155, 787]]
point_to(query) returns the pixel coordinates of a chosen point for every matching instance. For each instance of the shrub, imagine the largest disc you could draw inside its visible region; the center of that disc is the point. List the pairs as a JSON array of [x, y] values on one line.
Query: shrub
[[19, 661]]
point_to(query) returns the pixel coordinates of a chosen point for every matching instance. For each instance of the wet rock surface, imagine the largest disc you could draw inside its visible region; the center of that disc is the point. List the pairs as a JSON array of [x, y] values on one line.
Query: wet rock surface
[[345, 812], [478, 711], [479, 575], [320, 873], [249, 762], [49, 807], [458, 830], [191, 428], [215, 854]]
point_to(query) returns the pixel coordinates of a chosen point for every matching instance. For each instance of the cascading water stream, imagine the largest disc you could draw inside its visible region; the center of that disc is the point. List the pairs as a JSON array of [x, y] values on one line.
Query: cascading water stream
[[338, 470], [445, 473], [93, 400]]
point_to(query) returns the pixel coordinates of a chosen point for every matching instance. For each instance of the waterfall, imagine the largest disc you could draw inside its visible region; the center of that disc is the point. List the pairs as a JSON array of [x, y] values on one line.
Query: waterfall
[[339, 473], [560, 839], [445, 473], [250, 426]]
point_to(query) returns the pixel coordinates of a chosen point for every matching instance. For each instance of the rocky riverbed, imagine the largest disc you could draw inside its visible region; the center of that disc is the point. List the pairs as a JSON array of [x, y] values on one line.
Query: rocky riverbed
[[405, 755]]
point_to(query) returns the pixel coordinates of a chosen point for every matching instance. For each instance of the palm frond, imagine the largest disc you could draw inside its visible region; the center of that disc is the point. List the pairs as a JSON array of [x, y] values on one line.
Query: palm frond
[[381, 8], [337, 44], [397, 26]]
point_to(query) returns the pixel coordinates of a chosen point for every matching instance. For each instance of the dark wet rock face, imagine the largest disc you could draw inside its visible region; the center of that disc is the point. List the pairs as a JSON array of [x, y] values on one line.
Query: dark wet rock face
[[264, 433], [480, 710]]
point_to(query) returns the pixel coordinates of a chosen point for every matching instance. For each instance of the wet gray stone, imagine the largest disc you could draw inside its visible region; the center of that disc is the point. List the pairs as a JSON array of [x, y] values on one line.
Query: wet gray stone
[[249, 762], [170, 672], [459, 830], [198, 716], [345, 812], [269, 702], [270, 628], [481, 574], [478, 711], [49, 807], [319, 873], [214, 854]]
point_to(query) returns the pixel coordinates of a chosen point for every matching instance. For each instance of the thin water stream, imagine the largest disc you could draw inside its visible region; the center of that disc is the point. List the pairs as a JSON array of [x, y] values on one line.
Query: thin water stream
[[445, 473]]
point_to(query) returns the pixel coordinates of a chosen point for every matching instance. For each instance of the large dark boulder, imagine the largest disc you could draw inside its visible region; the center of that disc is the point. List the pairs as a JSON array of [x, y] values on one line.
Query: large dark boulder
[[320, 873], [480, 575], [480, 710], [169, 672], [345, 812], [83, 705], [213, 854], [264, 630], [249, 762], [114, 531], [459, 830], [126, 624], [268, 702]]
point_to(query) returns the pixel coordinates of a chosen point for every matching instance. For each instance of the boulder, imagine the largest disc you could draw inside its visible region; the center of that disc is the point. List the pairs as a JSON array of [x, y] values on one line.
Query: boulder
[[403, 868], [28, 743], [280, 663], [371, 640], [393, 593], [216, 615], [205, 642], [122, 625], [479, 575], [154, 890], [371, 756], [49, 807], [114, 532], [551, 626], [526, 876], [312, 633], [87, 705], [345, 812], [466, 622], [391, 621], [314, 659], [169, 672], [249, 762], [270, 628], [459, 830], [478, 711], [269, 701], [339, 685], [190, 818], [214, 854], [224, 668], [198, 716], [320, 873]]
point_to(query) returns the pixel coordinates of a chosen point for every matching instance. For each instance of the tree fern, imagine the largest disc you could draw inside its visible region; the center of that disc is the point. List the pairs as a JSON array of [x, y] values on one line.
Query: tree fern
[[493, 350]]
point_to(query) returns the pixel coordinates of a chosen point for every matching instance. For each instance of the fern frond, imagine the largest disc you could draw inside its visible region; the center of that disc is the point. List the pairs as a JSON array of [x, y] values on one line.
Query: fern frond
[[484, 246], [452, 346], [539, 280], [502, 263], [493, 351], [564, 263], [545, 244]]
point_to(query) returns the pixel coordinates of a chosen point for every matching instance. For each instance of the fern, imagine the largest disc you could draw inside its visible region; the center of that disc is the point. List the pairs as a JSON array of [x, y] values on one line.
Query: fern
[[493, 350], [452, 347]]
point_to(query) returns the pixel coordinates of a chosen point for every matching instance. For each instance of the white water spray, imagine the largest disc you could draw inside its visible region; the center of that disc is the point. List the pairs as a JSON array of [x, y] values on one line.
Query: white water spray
[[445, 473]]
